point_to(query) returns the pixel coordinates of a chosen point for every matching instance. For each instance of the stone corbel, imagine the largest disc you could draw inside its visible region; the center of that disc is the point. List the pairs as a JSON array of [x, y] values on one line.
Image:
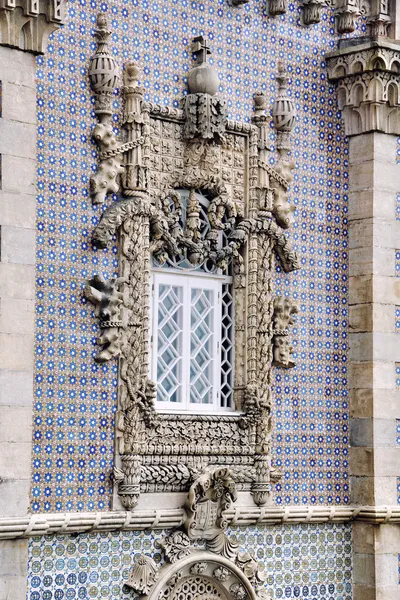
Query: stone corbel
[[311, 11], [284, 311], [27, 24]]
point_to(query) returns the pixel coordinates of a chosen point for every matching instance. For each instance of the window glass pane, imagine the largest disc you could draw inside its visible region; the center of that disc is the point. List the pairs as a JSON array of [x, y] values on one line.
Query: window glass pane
[[169, 343], [201, 346], [227, 347]]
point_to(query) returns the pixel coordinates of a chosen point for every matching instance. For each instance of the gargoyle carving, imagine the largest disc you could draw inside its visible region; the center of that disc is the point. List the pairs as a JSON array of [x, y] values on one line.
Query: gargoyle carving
[[107, 300], [283, 317]]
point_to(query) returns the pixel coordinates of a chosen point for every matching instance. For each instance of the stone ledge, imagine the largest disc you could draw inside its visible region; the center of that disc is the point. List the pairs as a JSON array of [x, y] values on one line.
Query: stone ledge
[[69, 523]]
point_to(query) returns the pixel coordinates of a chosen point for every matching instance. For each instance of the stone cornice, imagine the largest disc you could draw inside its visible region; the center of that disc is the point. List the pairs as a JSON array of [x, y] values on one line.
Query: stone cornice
[[27, 24], [367, 76], [72, 523]]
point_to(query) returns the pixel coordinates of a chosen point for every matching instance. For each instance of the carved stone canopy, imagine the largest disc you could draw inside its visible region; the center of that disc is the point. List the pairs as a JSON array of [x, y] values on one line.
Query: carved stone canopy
[[27, 24], [367, 77]]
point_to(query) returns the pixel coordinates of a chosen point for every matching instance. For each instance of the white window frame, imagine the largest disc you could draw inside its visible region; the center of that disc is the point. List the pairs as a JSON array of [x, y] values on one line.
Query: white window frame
[[188, 281]]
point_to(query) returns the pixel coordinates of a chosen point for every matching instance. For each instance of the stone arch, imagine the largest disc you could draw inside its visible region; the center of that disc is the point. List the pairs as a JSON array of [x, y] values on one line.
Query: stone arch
[[202, 576]]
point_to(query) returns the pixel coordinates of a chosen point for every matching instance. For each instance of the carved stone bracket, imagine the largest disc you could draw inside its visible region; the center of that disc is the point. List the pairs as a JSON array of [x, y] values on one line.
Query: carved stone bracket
[[367, 77], [220, 570], [27, 24], [283, 317]]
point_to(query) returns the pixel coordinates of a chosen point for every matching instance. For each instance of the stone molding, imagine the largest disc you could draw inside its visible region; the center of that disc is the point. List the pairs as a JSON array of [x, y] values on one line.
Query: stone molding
[[367, 78], [27, 24], [137, 520]]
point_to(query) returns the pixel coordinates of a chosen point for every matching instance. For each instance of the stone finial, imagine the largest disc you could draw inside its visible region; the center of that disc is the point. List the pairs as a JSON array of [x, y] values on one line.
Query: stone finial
[[103, 71], [283, 111], [27, 24], [205, 112]]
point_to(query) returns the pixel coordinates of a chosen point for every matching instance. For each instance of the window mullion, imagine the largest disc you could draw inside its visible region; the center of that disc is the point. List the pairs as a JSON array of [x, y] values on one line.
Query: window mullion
[[186, 343], [217, 346]]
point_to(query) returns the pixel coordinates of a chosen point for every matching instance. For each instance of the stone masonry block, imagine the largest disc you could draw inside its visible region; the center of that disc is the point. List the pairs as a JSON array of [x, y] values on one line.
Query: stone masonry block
[[384, 432], [16, 316], [15, 424], [360, 318], [362, 490], [17, 281], [17, 245], [385, 493], [364, 569], [14, 557], [17, 210], [17, 139], [16, 352], [15, 460], [17, 67], [361, 432], [16, 388], [362, 462], [387, 570], [14, 498], [387, 462], [19, 103], [19, 174], [361, 289]]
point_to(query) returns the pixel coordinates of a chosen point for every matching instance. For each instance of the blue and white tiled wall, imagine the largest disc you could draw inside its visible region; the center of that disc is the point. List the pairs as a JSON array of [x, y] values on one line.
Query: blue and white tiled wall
[[302, 561], [75, 397]]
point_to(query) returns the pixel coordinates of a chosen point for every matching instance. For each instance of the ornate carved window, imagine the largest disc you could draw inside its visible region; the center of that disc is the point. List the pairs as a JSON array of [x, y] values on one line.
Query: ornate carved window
[[192, 321], [201, 214]]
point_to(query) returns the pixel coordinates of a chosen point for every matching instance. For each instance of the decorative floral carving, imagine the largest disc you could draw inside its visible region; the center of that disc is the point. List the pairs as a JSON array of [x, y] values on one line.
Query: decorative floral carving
[[143, 575], [176, 546], [284, 311], [199, 568], [250, 567], [222, 573], [238, 592]]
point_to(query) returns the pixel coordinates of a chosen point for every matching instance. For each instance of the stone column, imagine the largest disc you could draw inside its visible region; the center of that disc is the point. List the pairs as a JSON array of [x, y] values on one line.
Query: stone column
[[372, 120], [23, 33]]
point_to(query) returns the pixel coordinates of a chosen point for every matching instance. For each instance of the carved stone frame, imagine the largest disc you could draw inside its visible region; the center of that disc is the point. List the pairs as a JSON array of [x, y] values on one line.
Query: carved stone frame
[[158, 152]]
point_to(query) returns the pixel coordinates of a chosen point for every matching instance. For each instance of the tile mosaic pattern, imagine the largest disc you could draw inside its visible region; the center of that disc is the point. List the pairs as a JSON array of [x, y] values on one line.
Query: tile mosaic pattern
[[302, 561], [398, 432], [75, 397], [398, 490]]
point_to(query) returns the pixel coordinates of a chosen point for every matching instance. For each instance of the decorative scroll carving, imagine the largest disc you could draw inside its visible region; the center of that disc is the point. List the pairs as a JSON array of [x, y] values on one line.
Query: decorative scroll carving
[[221, 571], [205, 113], [283, 317], [163, 175], [368, 86], [27, 24]]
